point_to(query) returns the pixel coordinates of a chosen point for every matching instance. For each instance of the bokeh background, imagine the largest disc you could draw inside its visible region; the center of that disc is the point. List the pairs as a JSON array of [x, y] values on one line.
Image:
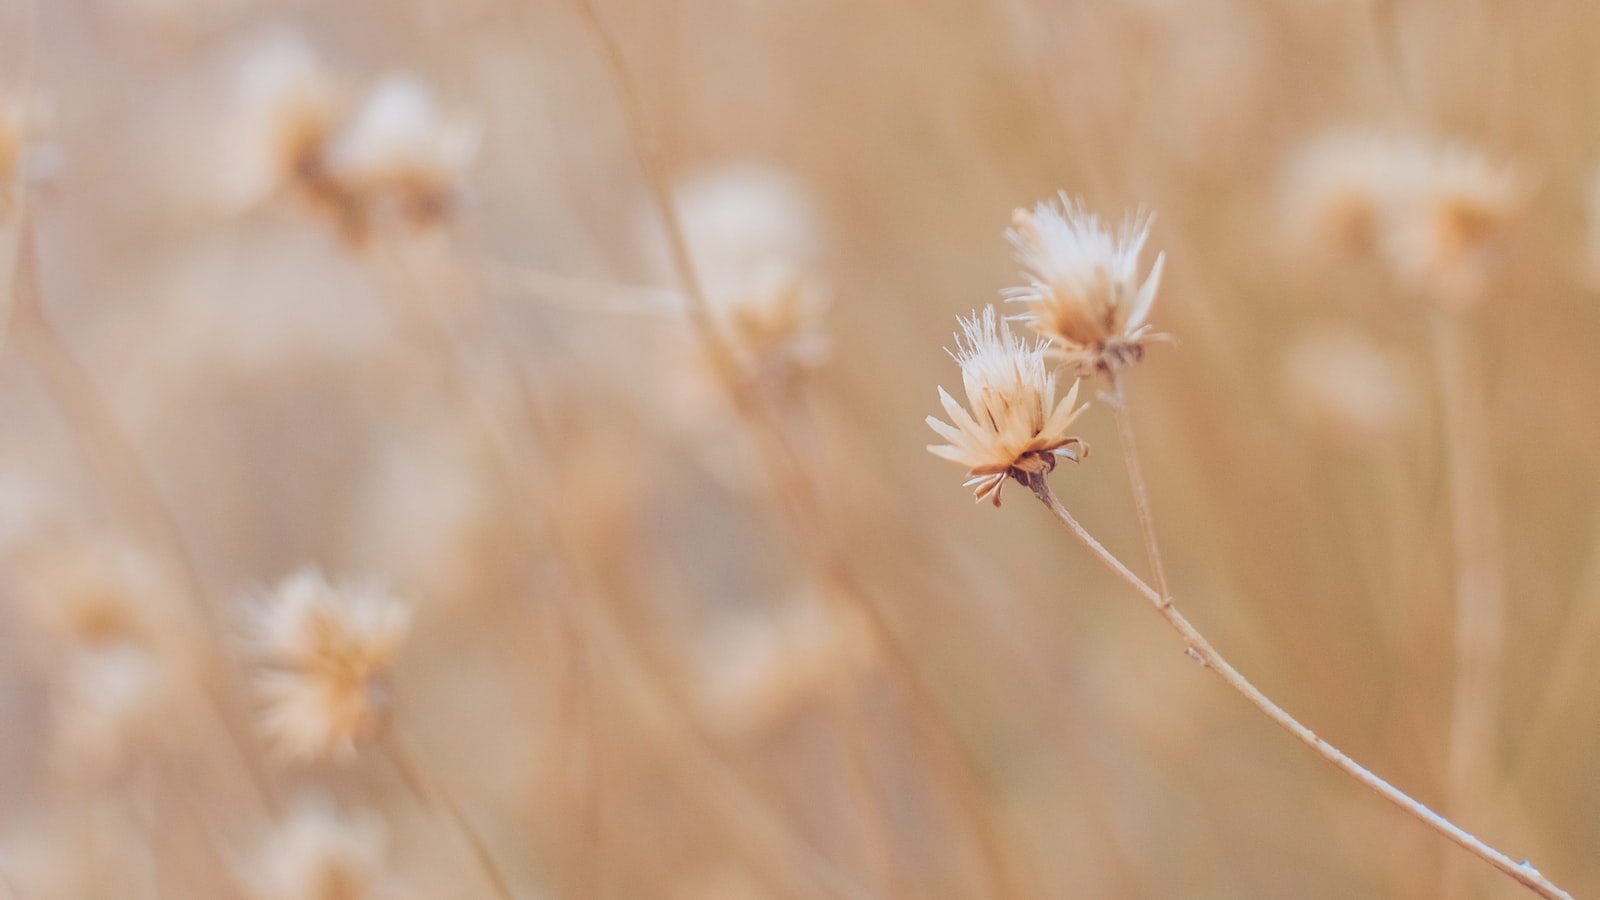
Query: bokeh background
[[678, 634]]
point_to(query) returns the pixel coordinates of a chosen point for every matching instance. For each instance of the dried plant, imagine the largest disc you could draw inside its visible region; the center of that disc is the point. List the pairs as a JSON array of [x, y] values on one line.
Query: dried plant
[[583, 345]]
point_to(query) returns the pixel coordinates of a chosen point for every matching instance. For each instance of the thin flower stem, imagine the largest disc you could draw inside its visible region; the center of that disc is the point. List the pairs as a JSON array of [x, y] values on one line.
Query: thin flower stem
[[433, 799], [1202, 652], [788, 468], [745, 815], [1117, 400], [1479, 578], [111, 455]]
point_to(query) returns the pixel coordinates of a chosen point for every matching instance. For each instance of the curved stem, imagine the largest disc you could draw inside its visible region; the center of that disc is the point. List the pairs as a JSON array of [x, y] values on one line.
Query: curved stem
[[1201, 651]]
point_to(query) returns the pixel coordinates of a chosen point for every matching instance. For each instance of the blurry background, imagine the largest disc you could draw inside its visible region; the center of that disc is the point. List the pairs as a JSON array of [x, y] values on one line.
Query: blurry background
[[672, 644]]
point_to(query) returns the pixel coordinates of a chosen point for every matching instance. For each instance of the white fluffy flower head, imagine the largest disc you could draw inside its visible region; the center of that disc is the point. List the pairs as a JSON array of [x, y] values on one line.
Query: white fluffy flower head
[[1084, 294], [327, 650], [1016, 428]]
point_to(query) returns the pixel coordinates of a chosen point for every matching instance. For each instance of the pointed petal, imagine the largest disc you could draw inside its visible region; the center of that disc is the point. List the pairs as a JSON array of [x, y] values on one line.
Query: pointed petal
[[945, 430], [958, 415], [1147, 294]]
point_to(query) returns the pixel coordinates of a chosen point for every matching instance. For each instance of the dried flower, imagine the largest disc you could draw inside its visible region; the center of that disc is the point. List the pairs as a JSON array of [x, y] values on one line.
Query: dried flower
[[755, 239], [1084, 294], [316, 854], [400, 148], [1338, 191], [327, 651], [1448, 221], [1016, 428], [286, 105], [96, 592], [115, 643], [1433, 212]]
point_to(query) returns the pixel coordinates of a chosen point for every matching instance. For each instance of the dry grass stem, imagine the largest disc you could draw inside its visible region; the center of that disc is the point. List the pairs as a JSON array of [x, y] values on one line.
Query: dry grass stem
[[1202, 651], [1480, 612]]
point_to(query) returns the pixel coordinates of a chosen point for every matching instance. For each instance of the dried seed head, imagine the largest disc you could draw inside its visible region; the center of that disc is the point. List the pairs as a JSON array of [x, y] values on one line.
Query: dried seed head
[[116, 646], [1016, 427], [401, 150], [1449, 220], [326, 652], [316, 854], [96, 592], [286, 105], [1084, 294], [756, 240], [1337, 192]]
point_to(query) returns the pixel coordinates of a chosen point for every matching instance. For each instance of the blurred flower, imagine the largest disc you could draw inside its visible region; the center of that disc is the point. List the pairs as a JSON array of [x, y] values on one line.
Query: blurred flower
[[316, 854], [115, 645], [1342, 384], [94, 592], [1432, 212], [755, 239], [1337, 190], [327, 651], [285, 106], [400, 148], [1017, 427], [1084, 294], [1448, 222]]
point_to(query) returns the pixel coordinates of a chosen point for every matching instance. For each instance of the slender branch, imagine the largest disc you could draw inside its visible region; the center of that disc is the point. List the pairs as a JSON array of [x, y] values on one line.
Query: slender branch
[[1201, 651]]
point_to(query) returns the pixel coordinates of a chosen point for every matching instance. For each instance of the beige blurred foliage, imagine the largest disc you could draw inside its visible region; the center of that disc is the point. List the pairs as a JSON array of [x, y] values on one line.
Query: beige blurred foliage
[[380, 288]]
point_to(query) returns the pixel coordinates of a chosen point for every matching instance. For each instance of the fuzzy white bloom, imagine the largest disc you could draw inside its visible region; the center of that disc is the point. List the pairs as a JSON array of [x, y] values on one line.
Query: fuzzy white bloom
[[1448, 221], [116, 645], [1433, 212], [285, 105], [1016, 428], [326, 650], [1338, 191], [400, 141], [1084, 293], [317, 854], [756, 239]]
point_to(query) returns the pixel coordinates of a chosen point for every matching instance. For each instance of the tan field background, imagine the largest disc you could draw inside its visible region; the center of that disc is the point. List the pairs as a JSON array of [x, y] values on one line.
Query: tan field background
[[665, 645]]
